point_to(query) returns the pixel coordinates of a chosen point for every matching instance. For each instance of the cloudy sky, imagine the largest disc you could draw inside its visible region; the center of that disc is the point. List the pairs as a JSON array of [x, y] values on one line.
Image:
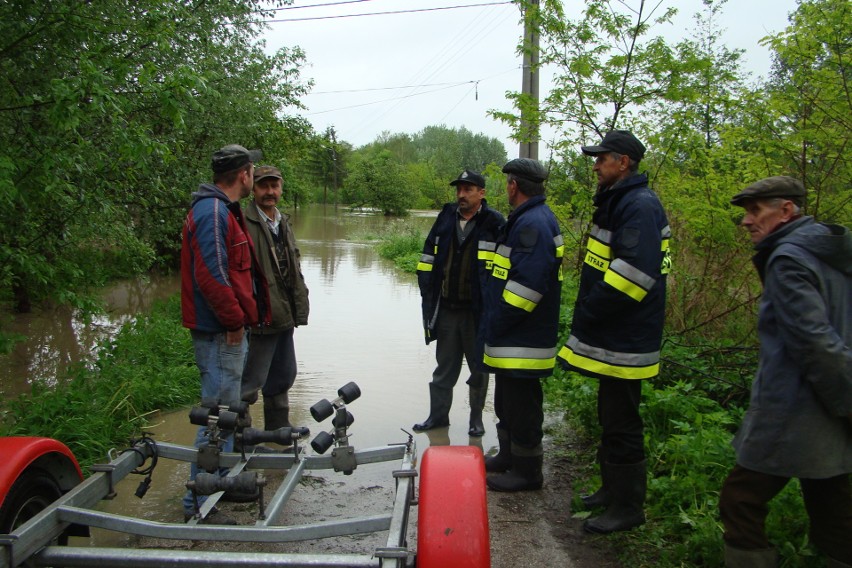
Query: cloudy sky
[[401, 65]]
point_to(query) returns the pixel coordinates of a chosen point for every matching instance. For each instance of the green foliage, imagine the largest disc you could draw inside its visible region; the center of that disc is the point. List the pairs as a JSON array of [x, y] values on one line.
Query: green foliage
[[102, 402], [378, 181], [402, 243]]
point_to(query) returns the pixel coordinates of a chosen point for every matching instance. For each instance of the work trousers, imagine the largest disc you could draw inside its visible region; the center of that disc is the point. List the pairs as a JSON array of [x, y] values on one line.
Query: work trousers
[[518, 405], [456, 339], [743, 505], [622, 438], [270, 365]]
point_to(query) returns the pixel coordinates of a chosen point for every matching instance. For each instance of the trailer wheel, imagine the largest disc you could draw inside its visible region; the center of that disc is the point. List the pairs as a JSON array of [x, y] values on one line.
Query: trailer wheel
[[32, 492], [452, 518]]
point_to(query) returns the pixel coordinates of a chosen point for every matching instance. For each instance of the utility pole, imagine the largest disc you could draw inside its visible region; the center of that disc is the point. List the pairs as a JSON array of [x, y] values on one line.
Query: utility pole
[[529, 85]]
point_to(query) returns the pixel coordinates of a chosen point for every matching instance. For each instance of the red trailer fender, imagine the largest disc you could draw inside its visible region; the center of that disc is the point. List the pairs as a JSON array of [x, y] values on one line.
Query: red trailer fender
[[452, 518], [20, 454]]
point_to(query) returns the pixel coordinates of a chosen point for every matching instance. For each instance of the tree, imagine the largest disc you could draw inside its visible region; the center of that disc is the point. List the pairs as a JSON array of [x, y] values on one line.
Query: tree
[[108, 114], [376, 180]]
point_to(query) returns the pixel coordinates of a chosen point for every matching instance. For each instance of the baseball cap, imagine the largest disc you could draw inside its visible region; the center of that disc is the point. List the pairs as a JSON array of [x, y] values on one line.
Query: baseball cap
[[471, 177], [775, 186], [526, 168], [261, 172], [233, 156], [618, 141]]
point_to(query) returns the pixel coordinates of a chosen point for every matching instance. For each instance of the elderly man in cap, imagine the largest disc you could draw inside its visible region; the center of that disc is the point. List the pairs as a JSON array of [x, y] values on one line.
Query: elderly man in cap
[[617, 326], [521, 326], [799, 420], [456, 257], [221, 295], [271, 364]]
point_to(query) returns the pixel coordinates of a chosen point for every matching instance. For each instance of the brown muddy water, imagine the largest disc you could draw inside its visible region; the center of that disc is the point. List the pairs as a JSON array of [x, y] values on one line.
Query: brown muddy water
[[364, 326]]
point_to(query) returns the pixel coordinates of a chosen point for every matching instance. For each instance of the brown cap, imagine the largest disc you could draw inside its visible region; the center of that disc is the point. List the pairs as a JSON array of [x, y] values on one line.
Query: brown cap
[[776, 186], [261, 172]]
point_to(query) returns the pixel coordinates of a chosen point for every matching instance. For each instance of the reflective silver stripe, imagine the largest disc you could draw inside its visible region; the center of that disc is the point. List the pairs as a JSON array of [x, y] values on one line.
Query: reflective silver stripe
[[614, 357], [503, 250], [558, 240], [428, 259], [632, 273], [602, 235], [487, 245], [666, 233], [526, 293], [520, 352]]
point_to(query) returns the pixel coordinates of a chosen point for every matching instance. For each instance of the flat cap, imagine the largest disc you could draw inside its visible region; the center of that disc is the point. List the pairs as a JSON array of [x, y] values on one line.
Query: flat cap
[[775, 186], [233, 156], [618, 141], [261, 172], [526, 168], [471, 177]]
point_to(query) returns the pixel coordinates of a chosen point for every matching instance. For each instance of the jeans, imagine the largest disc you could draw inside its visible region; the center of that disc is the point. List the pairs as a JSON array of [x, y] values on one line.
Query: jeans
[[221, 367]]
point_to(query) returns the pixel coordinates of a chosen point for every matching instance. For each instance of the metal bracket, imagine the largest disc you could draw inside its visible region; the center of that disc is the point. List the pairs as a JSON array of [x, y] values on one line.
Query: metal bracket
[[106, 468]]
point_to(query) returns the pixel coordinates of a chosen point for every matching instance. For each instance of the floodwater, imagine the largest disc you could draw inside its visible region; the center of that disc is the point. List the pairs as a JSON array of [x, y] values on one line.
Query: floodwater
[[364, 326]]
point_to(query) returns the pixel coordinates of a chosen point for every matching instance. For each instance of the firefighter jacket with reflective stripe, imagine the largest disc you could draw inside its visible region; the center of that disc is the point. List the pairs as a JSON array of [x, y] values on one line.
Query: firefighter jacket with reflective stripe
[[443, 244], [617, 328], [521, 319]]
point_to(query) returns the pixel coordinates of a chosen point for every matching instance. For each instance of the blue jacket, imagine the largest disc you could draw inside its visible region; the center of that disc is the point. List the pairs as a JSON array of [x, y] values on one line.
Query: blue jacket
[[521, 320], [436, 250], [797, 421], [617, 327]]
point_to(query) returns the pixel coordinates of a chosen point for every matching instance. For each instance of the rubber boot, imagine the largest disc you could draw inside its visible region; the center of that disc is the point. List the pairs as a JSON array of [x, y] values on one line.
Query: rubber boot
[[440, 401], [601, 497], [276, 411], [503, 460], [477, 403], [627, 485], [760, 558], [525, 475]]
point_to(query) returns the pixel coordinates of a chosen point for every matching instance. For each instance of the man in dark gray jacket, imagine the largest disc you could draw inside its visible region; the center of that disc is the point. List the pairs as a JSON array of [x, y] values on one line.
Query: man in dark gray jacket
[[271, 363], [799, 421]]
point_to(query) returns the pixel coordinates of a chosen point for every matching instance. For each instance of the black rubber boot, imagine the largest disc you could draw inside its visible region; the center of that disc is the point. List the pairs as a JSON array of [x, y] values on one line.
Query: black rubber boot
[[440, 401], [477, 403], [276, 411], [627, 485], [601, 497], [503, 460], [525, 475]]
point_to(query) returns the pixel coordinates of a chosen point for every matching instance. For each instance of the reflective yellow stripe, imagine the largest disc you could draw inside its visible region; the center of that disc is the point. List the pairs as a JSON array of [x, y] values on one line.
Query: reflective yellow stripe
[[519, 363], [596, 262], [666, 265], [622, 284], [514, 300], [606, 369], [599, 249], [424, 267]]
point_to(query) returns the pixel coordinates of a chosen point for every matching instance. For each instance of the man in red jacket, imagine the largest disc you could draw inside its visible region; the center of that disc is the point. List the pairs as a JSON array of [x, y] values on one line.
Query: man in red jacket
[[218, 301]]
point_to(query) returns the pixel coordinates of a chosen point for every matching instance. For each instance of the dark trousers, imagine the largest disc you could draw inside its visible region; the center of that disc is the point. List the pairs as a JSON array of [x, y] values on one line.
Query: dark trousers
[[456, 340], [743, 505], [270, 365], [622, 439], [518, 405]]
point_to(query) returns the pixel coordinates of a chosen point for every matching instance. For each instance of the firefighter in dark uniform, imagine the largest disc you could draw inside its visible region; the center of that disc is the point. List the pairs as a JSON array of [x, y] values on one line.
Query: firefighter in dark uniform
[[521, 326], [617, 328], [456, 255]]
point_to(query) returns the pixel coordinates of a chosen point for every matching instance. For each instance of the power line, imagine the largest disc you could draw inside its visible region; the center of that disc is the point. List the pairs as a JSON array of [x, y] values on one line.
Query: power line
[[394, 12]]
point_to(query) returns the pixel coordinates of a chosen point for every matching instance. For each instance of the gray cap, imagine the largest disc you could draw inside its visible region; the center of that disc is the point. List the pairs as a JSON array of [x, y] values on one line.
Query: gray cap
[[775, 186], [233, 156], [526, 168]]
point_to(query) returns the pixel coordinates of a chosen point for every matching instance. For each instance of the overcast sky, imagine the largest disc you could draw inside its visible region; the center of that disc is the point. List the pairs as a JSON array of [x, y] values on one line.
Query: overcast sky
[[401, 72]]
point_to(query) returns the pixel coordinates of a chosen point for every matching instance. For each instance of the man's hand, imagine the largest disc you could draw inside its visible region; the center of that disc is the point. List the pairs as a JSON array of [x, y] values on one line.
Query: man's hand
[[234, 337]]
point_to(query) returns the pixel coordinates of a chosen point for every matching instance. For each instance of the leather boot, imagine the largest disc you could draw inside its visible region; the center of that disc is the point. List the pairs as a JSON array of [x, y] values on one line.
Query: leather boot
[[503, 460], [477, 403], [601, 497], [760, 558], [440, 401], [525, 475], [627, 485], [276, 411]]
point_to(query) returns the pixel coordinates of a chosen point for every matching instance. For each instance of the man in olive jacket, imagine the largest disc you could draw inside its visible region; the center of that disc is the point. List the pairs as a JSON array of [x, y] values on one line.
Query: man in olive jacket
[[271, 363], [799, 420]]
